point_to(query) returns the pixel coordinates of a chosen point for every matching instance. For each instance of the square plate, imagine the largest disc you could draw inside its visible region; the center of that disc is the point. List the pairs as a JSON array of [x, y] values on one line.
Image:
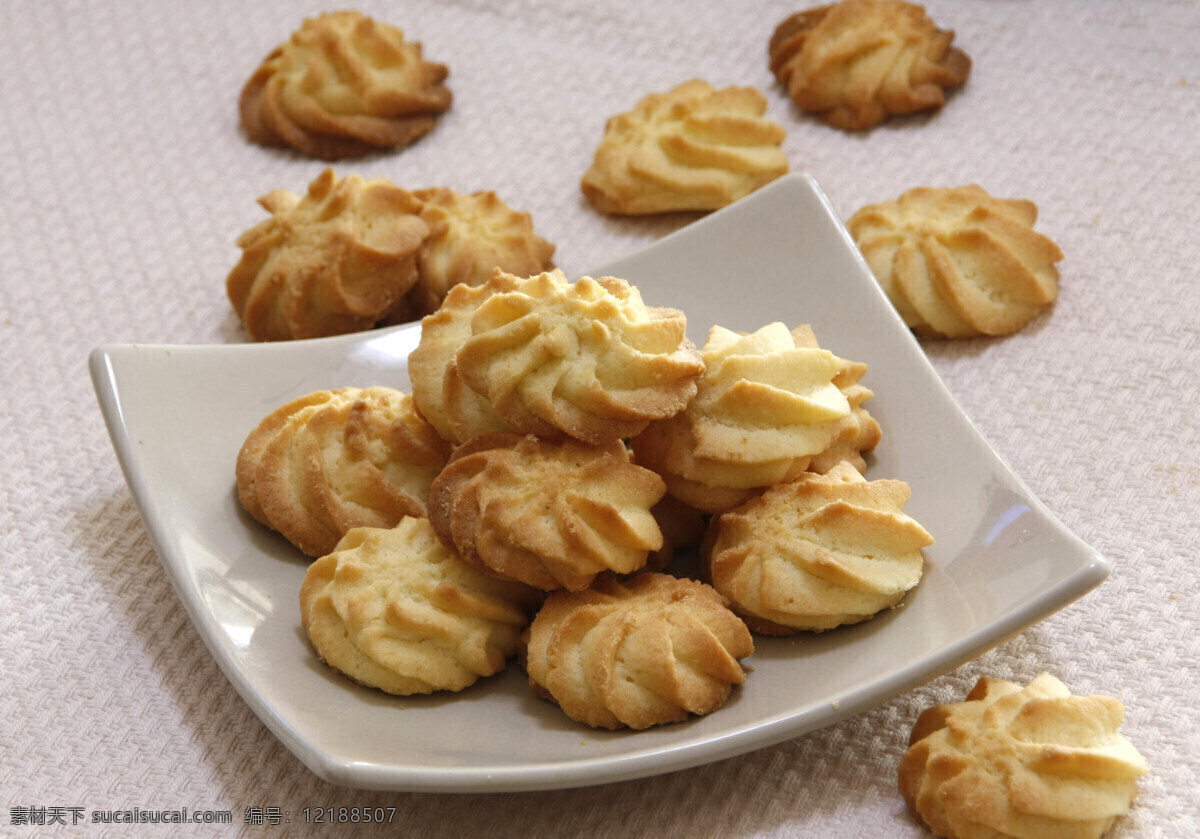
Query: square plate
[[178, 415]]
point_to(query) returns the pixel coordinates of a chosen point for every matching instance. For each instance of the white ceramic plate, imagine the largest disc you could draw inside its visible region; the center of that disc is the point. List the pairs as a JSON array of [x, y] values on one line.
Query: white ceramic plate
[[178, 415]]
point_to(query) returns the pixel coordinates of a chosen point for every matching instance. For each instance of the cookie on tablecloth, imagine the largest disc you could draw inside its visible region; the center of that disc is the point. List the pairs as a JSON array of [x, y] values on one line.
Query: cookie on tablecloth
[[471, 235], [332, 261], [958, 263], [858, 62], [343, 85], [692, 148], [1034, 762]]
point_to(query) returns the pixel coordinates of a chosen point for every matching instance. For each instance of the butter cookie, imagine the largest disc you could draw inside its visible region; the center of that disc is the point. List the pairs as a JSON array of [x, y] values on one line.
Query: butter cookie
[[471, 235], [332, 461], [343, 85], [958, 263], [858, 62], [816, 553], [333, 261], [1034, 762], [651, 650], [393, 609], [767, 404], [587, 359], [692, 148], [454, 409], [549, 513]]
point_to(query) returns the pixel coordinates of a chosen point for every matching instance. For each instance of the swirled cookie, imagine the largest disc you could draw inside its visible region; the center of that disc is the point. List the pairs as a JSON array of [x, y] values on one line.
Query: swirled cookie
[[256, 443], [692, 148], [858, 433], [858, 62], [550, 513], [393, 609], [816, 553], [652, 650], [330, 262], [586, 359], [470, 237], [957, 262], [332, 461], [766, 405], [341, 86], [454, 409], [1033, 762]]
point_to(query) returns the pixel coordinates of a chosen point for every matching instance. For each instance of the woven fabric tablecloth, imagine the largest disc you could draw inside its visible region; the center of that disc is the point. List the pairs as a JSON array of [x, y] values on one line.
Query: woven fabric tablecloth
[[126, 180]]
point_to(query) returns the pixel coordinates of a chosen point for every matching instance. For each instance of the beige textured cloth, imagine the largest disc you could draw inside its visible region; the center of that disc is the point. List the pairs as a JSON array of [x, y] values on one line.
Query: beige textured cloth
[[126, 180]]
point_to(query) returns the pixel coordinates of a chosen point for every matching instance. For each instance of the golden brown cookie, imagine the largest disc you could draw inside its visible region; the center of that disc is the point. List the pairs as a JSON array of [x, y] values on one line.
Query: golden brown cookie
[[858, 62], [1034, 762], [816, 553], [549, 513], [766, 406], [471, 235], [652, 650], [959, 263], [454, 409], [857, 434], [341, 86], [256, 443], [393, 609], [692, 148], [333, 261], [586, 359], [336, 460]]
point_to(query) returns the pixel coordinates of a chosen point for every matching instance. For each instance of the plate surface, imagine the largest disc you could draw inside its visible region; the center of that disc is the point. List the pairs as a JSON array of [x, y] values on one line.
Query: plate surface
[[178, 416]]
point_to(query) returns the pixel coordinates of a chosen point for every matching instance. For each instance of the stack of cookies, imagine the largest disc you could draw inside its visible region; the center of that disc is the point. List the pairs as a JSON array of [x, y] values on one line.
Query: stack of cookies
[[561, 442], [354, 253]]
